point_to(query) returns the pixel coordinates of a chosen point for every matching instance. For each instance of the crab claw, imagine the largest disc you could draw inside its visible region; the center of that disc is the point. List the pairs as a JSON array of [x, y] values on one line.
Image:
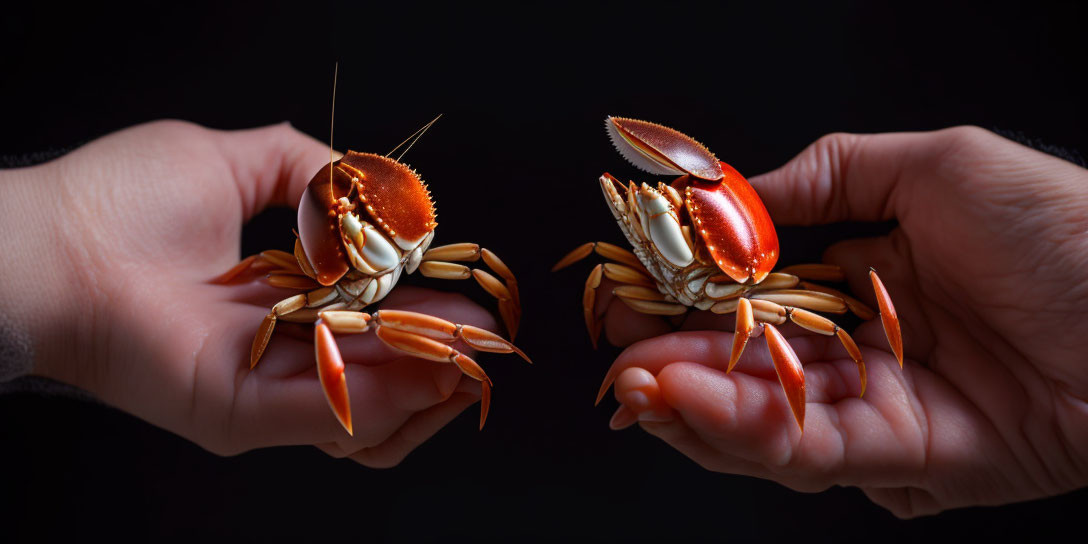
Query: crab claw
[[888, 317], [790, 373], [661, 150], [330, 370]]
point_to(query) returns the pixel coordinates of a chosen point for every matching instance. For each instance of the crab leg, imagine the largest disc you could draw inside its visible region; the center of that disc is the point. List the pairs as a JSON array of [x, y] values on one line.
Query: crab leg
[[303, 261], [275, 262], [786, 364], [295, 309], [435, 265], [888, 317], [767, 313], [858, 307], [589, 304], [745, 324], [819, 272], [822, 325], [828, 272], [282, 259], [789, 371], [264, 331], [246, 270], [637, 292], [639, 300], [330, 371], [813, 300], [414, 333], [604, 249], [290, 280]]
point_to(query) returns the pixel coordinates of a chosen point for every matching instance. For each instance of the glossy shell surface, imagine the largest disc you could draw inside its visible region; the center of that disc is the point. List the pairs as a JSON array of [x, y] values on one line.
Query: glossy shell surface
[[389, 195], [664, 146], [733, 223]]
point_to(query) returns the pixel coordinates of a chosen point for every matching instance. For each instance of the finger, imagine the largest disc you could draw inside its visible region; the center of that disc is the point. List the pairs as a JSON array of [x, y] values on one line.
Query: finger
[[622, 419], [417, 430], [294, 411], [464, 394], [638, 391], [709, 348], [847, 177], [272, 165], [281, 400], [871, 441]]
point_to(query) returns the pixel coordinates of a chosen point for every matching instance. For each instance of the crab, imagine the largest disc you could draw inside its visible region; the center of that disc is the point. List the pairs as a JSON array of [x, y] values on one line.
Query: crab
[[706, 241], [363, 221]]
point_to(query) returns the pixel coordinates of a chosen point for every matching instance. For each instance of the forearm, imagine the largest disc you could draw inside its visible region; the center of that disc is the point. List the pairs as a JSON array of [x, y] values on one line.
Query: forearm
[[42, 310]]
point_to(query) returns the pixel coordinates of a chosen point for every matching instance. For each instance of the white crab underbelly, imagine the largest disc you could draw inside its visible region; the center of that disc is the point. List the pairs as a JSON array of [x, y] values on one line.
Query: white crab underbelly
[[376, 265], [686, 285]]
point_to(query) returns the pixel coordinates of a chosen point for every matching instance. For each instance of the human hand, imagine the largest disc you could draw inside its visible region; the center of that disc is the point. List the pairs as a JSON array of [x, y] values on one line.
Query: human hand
[[112, 278], [988, 269]]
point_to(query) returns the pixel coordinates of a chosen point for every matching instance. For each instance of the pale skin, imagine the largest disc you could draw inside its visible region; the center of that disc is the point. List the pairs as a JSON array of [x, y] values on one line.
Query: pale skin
[[110, 274], [988, 269]]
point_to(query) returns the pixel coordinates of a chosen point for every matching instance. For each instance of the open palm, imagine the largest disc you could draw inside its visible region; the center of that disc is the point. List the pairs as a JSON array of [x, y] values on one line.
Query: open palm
[[988, 269], [153, 213]]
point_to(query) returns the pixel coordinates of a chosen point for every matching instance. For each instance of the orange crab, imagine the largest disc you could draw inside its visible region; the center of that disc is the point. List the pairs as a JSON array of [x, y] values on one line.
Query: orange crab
[[707, 241], [363, 221]]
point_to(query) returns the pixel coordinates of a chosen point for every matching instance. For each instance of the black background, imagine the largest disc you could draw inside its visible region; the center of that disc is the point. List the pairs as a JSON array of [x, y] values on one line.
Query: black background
[[512, 165]]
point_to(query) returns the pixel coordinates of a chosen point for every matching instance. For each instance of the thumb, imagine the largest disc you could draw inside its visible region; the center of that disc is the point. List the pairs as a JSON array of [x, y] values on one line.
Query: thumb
[[847, 177], [272, 164]]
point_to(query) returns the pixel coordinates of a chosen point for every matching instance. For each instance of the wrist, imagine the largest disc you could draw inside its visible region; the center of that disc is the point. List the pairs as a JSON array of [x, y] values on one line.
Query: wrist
[[41, 307]]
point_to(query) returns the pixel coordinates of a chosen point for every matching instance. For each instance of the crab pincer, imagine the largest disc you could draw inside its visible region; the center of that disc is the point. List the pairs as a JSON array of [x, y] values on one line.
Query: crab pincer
[[706, 241], [365, 220]]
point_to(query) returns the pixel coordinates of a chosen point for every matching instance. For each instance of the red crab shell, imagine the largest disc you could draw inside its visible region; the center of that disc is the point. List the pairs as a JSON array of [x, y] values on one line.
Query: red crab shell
[[389, 195], [722, 206], [733, 223]]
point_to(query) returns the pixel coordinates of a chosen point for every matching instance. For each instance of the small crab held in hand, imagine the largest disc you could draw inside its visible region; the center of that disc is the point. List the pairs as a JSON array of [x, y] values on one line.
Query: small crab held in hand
[[707, 241], [363, 221]]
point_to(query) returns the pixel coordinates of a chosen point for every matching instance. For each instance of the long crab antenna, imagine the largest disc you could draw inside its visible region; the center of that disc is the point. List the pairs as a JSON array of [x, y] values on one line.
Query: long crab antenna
[[332, 122], [414, 137]]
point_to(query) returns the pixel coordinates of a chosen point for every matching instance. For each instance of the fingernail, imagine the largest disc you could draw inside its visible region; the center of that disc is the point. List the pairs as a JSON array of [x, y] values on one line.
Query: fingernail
[[622, 419]]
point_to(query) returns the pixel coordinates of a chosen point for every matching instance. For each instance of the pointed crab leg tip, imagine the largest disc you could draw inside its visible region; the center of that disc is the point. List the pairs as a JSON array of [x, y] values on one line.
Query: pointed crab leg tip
[[888, 317], [523, 355], [799, 416], [604, 389]]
